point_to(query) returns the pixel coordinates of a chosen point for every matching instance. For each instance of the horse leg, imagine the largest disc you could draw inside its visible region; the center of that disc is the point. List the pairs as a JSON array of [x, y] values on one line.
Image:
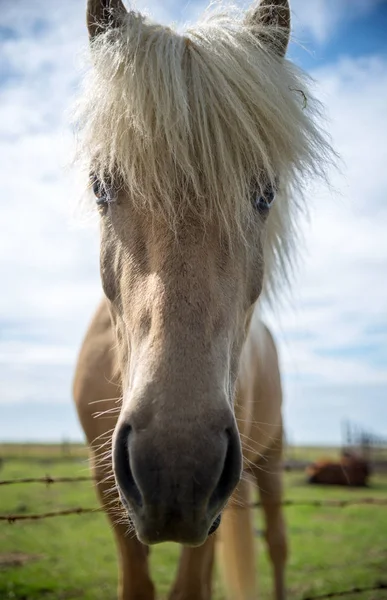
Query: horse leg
[[134, 582], [237, 546], [194, 576], [96, 389], [268, 474]]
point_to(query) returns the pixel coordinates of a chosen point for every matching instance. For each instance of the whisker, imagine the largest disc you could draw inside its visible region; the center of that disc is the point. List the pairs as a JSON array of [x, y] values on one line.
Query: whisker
[[116, 399]]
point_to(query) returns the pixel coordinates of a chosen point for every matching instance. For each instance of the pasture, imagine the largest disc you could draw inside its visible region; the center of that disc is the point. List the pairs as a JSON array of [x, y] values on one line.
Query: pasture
[[73, 557]]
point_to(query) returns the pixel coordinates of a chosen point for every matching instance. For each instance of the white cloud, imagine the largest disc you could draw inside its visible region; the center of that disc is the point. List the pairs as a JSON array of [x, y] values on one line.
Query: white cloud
[[341, 288], [340, 300], [51, 267], [321, 18]]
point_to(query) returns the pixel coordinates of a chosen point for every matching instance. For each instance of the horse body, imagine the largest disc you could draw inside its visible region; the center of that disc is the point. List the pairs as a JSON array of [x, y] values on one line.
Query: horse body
[[97, 393], [259, 420]]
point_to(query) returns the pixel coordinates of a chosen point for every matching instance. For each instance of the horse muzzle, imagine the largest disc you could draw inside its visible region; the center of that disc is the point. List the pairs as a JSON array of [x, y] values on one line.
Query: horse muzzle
[[174, 490]]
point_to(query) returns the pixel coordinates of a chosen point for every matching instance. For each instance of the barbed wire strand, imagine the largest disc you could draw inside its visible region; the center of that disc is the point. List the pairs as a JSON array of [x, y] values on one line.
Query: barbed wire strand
[[11, 518], [47, 479], [329, 503], [355, 590]]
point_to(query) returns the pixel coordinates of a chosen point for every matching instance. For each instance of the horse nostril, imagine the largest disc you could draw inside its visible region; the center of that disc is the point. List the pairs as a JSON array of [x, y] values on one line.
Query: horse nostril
[[122, 469], [215, 524], [231, 473]]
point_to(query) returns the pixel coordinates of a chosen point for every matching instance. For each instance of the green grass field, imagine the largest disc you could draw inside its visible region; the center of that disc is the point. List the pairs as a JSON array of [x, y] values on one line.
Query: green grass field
[[73, 557]]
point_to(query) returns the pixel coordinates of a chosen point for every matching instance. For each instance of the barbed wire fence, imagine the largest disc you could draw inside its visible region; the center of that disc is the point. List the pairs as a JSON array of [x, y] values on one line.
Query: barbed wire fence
[[339, 503], [350, 592], [46, 479]]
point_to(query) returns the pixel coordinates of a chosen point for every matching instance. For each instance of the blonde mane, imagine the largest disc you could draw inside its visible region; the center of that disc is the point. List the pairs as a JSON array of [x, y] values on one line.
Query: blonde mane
[[188, 122]]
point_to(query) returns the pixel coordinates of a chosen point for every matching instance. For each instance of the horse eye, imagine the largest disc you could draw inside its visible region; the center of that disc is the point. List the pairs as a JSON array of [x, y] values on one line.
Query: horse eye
[[103, 193], [97, 188], [262, 201]]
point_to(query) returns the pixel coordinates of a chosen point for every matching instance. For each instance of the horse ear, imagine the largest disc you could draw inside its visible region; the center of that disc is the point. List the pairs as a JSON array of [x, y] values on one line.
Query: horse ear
[[275, 15], [101, 14]]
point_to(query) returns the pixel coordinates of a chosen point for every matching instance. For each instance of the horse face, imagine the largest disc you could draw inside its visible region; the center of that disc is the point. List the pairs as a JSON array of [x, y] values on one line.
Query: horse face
[[181, 298], [180, 303]]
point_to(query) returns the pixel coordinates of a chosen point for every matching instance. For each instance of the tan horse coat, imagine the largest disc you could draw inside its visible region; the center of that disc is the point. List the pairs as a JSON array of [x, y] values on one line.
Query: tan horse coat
[[258, 412]]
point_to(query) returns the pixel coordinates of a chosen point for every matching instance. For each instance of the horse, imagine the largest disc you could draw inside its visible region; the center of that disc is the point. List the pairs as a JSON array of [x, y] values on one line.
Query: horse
[[351, 470], [197, 145]]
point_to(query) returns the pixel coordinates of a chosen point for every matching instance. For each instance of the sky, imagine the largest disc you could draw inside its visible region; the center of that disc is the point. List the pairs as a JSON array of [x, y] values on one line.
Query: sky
[[331, 332]]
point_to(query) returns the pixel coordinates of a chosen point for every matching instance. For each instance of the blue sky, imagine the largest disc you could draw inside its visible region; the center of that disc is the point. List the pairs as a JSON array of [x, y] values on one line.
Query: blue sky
[[332, 335]]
